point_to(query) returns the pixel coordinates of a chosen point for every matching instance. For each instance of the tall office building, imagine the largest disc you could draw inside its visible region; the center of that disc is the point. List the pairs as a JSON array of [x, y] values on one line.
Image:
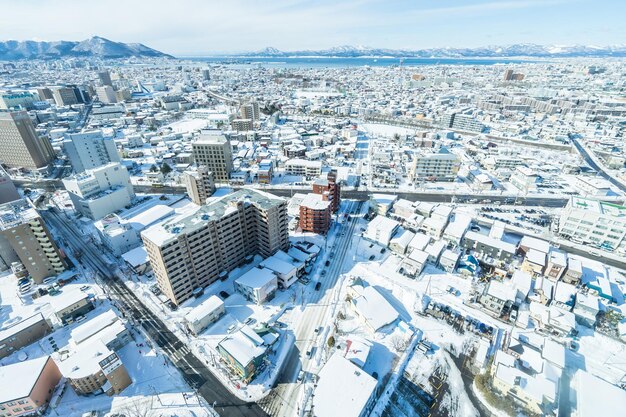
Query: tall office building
[[199, 184], [105, 78], [20, 144], [250, 111], [197, 250], [88, 150], [206, 74], [8, 192], [330, 188], [26, 232], [508, 75], [65, 96], [100, 191], [106, 94], [214, 152]]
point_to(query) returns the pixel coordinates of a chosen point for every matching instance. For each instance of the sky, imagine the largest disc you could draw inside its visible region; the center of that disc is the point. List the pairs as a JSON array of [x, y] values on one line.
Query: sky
[[204, 27]]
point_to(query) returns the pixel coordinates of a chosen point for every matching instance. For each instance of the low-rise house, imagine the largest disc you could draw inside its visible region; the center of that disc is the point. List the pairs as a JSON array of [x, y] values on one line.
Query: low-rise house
[[528, 242], [456, 229], [434, 226], [257, 285], [371, 307], [497, 297], [556, 264], [286, 271], [414, 264], [204, 314], [27, 387], [574, 272], [357, 388], [245, 350], [381, 204], [534, 262], [70, 304], [381, 230], [400, 242], [488, 248], [448, 260], [586, 309], [23, 333], [107, 327], [596, 397]]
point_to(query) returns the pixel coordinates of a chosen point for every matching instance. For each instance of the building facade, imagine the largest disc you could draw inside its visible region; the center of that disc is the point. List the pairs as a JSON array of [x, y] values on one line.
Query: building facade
[[214, 152], [315, 214], [199, 184], [23, 333], [20, 144], [330, 188], [88, 150], [26, 232], [196, 250], [434, 166], [594, 222], [32, 384], [100, 191]]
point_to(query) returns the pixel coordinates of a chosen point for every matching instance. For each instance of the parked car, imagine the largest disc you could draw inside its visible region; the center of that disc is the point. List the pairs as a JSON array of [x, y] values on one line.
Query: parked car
[[224, 294], [318, 286], [232, 328], [249, 321]]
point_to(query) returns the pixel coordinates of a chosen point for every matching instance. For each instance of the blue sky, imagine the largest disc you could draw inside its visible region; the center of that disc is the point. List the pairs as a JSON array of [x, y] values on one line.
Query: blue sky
[[197, 27]]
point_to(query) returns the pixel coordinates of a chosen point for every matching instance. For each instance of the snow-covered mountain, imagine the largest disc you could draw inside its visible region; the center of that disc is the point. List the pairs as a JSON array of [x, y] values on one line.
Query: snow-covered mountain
[[529, 50], [93, 47]]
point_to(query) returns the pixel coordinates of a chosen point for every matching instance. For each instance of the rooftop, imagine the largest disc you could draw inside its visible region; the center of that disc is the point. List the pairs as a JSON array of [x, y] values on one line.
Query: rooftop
[[340, 375], [20, 378]]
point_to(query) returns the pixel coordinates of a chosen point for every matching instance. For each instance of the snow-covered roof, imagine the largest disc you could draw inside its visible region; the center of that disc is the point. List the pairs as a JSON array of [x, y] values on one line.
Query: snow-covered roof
[[596, 397], [18, 327], [149, 216], [256, 278], [18, 379], [420, 241], [501, 291], [339, 375], [244, 345], [489, 241], [402, 237], [136, 257], [93, 326], [357, 350], [67, 298], [458, 226], [536, 257], [373, 307], [534, 243], [554, 352], [85, 361], [203, 309], [315, 202], [536, 387], [278, 265]]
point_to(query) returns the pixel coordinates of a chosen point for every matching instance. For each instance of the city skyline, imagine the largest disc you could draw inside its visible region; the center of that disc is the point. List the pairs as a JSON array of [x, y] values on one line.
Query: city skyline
[[195, 28]]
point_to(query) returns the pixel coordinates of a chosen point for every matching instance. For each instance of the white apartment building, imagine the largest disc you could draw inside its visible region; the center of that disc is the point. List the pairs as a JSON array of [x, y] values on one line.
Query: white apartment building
[[100, 191], [88, 150], [199, 184], [524, 179], [436, 166], [192, 251], [303, 167], [594, 222], [214, 152], [106, 94]]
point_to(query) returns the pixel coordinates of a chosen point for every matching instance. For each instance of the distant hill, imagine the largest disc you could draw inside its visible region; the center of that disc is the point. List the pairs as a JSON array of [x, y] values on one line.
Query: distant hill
[[94, 47], [517, 50]]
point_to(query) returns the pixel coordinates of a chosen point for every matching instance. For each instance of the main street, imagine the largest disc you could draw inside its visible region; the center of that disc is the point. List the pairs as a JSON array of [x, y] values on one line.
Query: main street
[[358, 195], [194, 371], [318, 311]]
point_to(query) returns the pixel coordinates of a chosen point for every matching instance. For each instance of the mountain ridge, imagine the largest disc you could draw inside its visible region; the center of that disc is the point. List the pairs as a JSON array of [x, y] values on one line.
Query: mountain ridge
[[492, 51], [95, 46]]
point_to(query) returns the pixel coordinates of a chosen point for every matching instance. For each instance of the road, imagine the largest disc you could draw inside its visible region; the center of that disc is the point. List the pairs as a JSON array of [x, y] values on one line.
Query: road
[[358, 195], [583, 152], [194, 371], [285, 399]]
